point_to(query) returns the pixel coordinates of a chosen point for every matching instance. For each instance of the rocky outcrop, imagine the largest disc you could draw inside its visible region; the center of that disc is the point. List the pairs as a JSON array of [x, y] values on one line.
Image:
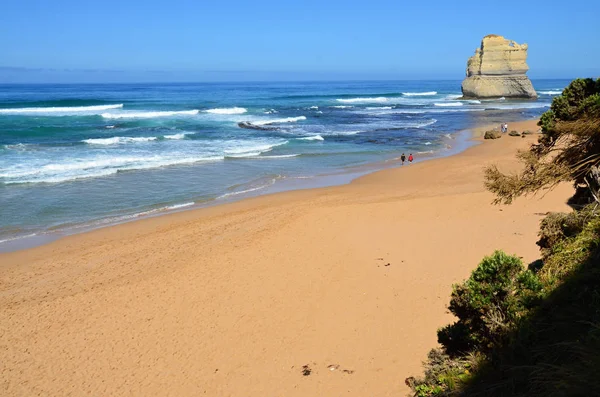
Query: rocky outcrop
[[491, 134], [248, 125], [498, 70]]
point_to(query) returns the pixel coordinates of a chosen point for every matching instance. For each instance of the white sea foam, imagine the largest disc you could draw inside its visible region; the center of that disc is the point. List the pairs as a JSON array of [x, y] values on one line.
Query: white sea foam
[[363, 100], [117, 140], [234, 110], [514, 106], [456, 110], [428, 93], [149, 114], [242, 191], [177, 136], [251, 149], [353, 132], [144, 213], [253, 189], [278, 156], [550, 92], [313, 138], [426, 123], [177, 206], [342, 107], [314, 108], [449, 104], [453, 96], [62, 110], [92, 167], [18, 146], [271, 111], [17, 238], [409, 111], [379, 108], [427, 143], [279, 121], [474, 101]]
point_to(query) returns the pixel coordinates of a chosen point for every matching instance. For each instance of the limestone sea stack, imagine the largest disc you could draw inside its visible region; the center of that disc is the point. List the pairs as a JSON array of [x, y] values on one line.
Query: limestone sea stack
[[498, 70]]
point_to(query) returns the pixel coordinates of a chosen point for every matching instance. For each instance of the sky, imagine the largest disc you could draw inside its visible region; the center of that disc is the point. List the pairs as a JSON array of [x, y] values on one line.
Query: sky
[[199, 40]]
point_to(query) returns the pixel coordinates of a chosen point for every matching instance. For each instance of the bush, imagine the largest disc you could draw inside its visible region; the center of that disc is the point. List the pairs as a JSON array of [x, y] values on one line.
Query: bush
[[569, 253], [491, 134], [444, 374], [488, 304], [555, 349], [558, 226]]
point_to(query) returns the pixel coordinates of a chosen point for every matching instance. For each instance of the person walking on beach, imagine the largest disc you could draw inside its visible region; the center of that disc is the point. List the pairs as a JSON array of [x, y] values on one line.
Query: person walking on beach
[[410, 158], [403, 158]]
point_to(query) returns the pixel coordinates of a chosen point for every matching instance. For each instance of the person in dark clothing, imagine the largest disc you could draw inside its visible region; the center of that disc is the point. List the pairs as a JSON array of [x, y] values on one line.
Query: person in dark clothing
[[403, 158]]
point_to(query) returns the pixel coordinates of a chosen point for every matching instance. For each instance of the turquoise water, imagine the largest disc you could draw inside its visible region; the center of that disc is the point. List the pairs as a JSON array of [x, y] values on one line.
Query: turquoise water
[[77, 156]]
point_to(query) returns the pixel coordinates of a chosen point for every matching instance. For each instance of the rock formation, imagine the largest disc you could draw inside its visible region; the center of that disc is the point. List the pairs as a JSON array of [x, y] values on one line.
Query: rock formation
[[498, 70]]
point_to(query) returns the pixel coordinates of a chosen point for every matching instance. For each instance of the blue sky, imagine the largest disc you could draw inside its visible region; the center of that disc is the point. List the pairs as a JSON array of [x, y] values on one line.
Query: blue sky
[[198, 40]]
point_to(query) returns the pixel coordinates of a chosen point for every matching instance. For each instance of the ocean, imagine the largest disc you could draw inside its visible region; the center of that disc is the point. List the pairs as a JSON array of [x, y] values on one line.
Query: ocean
[[75, 157]]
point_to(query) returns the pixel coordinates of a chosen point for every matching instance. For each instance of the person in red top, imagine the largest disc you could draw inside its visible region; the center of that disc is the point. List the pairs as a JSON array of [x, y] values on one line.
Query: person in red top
[[410, 158]]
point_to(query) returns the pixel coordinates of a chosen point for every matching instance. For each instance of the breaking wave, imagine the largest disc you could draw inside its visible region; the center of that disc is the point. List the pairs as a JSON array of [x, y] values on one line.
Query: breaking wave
[[279, 121], [278, 156], [251, 150], [448, 104], [83, 168], [364, 100], [428, 93], [312, 138], [62, 111], [234, 110], [519, 106], [177, 136], [550, 92], [149, 115], [117, 140]]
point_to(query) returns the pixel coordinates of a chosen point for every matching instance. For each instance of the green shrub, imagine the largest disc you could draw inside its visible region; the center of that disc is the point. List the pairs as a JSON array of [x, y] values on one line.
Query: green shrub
[[444, 375], [557, 226], [488, 304], [569, 254], [554, 350]]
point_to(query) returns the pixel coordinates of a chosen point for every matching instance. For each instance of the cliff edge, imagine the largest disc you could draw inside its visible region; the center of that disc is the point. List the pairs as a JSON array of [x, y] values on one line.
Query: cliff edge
[[498, 70]]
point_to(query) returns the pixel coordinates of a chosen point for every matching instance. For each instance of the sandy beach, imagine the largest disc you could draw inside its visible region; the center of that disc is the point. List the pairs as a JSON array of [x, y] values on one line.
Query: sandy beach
[[320, 292]]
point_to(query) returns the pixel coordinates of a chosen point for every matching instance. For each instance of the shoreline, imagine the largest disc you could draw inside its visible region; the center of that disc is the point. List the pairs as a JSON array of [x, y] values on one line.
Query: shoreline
[[464, 139], [236, 299]]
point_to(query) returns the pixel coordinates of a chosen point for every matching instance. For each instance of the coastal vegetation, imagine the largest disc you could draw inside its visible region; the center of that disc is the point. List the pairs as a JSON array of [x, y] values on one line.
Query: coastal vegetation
[[534, 330]]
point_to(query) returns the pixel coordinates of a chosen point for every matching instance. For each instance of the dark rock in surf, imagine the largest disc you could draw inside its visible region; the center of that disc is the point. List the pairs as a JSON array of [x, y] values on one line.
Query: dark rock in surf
[[250, 126]]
